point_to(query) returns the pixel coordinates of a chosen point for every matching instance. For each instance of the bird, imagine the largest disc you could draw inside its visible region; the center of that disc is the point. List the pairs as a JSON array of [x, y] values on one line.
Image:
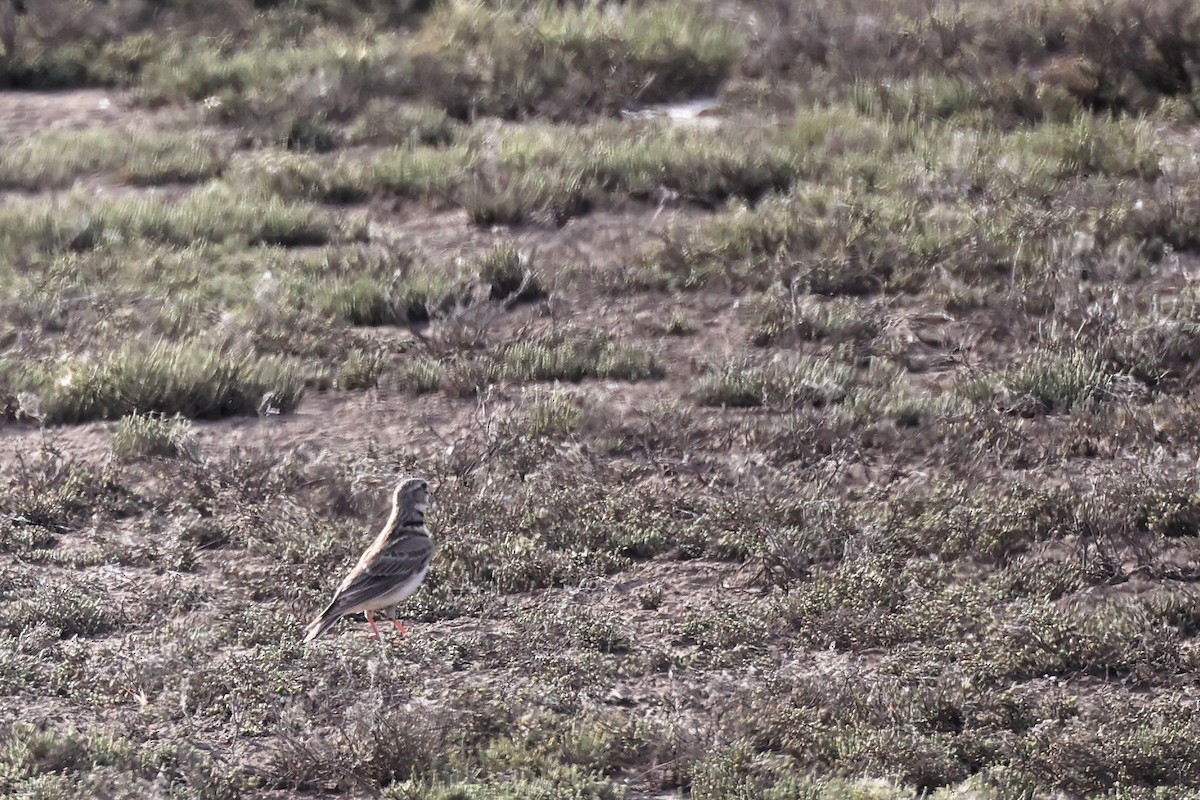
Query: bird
[[391, 569]]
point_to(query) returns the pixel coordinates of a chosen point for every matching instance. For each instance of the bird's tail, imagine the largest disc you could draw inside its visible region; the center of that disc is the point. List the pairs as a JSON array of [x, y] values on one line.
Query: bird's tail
[[321, 625]]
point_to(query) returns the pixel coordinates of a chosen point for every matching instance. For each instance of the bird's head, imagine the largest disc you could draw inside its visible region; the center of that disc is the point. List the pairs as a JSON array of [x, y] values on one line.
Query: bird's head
[[411, 497]]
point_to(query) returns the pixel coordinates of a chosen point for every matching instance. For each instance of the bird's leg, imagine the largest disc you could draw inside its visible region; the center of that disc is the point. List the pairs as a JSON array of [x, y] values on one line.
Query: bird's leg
[[374, 627], [400, 627]]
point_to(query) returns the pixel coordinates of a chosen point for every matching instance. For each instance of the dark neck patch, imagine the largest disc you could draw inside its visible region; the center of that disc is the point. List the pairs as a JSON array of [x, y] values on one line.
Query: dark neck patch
[[409, 520]]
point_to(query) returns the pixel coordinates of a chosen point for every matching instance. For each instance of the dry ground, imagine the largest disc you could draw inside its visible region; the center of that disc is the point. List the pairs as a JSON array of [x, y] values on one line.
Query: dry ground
[[840, 442]]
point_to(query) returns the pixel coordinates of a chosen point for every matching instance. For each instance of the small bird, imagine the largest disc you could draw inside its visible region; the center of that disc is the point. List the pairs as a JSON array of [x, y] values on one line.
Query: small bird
[[392, 567]]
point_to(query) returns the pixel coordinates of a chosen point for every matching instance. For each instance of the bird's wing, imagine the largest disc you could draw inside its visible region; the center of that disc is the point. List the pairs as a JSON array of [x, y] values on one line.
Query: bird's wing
[[384, 571]]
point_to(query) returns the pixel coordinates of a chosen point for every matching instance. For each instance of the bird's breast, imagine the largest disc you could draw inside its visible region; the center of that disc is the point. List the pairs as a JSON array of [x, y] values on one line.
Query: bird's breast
[[401, 592]]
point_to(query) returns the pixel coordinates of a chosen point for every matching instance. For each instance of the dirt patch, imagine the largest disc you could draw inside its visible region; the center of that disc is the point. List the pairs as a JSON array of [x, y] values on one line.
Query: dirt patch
[[25, 114]]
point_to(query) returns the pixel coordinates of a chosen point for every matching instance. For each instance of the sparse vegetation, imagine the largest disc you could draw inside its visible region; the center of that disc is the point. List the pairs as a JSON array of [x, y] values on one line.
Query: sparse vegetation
[[195, 380], [808, 392], [57, 159], [148, 435]]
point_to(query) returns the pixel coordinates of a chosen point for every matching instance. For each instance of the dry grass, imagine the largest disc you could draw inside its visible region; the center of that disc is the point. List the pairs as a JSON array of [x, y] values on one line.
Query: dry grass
[[837, 442]]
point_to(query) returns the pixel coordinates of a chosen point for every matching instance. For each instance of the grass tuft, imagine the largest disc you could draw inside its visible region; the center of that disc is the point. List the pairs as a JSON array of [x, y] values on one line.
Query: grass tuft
[[152, 436], [57, 159], [190, 379]]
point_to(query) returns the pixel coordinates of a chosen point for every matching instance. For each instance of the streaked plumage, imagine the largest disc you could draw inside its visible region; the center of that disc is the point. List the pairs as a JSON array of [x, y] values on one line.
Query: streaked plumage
[[391, 569]]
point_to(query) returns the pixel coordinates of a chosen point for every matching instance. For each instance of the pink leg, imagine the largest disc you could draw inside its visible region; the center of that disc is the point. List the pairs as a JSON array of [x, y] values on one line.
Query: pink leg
[[400, 627], [374, 627]]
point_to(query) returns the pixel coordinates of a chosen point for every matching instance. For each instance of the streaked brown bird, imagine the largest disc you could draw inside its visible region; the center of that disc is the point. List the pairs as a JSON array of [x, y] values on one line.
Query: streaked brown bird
[[391, 569]]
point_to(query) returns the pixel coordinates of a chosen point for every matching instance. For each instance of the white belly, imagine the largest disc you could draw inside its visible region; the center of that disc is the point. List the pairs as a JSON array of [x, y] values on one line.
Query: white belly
[[395, 596]]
